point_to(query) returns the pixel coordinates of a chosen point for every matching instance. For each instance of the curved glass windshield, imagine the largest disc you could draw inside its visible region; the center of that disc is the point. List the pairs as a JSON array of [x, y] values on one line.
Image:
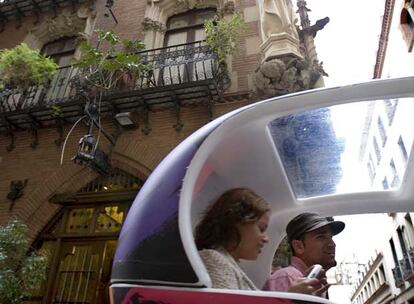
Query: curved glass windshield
[[347, 148]]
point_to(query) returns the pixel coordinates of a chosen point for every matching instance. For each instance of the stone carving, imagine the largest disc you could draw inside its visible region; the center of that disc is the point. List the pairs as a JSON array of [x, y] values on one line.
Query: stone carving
[[312, 30], [228, 8], [285, 75], [148, 24], [66, 24], [277, 16], [189, 4], [185, 5], [59, 26], [16, 191]]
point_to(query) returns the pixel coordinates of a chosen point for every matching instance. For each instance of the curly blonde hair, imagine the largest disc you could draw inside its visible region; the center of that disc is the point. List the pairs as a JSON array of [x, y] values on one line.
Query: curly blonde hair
[[218, 227]]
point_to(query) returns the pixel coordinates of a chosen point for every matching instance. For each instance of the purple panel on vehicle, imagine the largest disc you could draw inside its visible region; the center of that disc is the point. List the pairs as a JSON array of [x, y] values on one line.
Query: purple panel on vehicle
[[149, 246]]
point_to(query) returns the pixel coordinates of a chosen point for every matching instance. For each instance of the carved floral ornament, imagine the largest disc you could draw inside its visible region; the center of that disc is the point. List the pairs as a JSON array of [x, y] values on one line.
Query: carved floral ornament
[[169, 8], [68, 23], [59, 26], [148, 24]]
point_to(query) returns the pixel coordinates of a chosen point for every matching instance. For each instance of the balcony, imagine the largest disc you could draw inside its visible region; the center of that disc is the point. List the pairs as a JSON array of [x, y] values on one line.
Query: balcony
[[18, 9], [180, 75], [408, 266], [397, 272]]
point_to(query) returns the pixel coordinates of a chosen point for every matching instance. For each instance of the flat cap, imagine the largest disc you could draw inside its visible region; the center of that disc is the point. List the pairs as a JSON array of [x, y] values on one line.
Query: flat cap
[[306, 222]]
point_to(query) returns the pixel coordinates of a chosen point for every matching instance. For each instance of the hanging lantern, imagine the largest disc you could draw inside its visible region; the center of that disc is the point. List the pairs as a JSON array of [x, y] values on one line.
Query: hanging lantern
[[89, 155]]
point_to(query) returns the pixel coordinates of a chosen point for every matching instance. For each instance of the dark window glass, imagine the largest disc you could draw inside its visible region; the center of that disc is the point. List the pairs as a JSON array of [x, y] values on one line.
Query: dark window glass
[[61, 50], [187, 27], [403, 242], [394, 252]]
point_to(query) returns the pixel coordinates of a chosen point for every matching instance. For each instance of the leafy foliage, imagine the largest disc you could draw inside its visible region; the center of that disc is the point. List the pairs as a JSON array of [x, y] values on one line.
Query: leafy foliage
[[22, 67], [56, 111], [224, 36], [20, 274], [283, 254], [105, 67]]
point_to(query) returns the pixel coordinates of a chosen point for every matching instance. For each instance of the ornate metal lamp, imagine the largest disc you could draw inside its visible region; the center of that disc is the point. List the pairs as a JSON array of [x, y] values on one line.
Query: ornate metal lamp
[[89, 155]]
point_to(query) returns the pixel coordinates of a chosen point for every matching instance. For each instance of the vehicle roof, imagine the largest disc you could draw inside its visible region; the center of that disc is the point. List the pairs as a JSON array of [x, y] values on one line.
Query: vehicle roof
[[246, 150]]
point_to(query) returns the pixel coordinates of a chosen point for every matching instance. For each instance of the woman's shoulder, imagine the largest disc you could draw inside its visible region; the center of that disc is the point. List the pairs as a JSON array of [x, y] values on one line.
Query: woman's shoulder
[[212, 254], [216, 257]]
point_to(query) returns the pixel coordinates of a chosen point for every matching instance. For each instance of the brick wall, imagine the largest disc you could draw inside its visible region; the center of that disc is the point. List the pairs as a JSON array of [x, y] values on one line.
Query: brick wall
[[134, 152], [13, 33]]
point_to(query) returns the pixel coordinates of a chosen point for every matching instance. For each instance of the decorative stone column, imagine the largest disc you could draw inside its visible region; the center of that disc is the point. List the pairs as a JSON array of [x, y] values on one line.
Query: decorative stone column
[[290, 61]]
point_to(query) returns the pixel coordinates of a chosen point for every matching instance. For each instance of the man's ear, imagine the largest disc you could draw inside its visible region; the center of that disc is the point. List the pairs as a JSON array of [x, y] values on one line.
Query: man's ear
[[298, 247]]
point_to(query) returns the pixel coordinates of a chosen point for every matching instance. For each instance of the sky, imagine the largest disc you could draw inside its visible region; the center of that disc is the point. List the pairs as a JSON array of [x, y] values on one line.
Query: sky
[[347, 47], [348, 43]]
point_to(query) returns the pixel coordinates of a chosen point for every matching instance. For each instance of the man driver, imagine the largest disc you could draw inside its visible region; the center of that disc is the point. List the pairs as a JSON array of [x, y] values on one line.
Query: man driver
[[310, 238]]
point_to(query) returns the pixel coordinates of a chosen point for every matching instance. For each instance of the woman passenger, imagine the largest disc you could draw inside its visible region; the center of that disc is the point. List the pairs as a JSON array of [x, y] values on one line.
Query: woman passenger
[[234, 228]]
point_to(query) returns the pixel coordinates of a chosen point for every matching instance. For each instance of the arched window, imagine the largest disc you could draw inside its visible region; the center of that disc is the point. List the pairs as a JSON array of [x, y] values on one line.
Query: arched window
[[81, 240], [187, 27], [61, 50]]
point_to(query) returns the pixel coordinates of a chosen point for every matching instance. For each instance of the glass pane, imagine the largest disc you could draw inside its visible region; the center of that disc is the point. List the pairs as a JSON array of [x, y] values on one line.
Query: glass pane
[[173, 73], [336, 150], [177, 22], [110, 219], [204, 15], [103, 287], [78, 274], [202, 67], [79, 220]]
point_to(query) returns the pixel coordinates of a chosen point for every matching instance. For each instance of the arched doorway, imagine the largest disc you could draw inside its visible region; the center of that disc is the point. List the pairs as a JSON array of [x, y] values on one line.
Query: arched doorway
[[81, 240]]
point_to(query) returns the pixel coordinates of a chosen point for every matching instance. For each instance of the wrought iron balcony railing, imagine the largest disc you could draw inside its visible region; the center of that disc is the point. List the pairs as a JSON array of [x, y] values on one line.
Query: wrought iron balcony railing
[[408, 266], [57, 91], [397, 272], [178, 75]]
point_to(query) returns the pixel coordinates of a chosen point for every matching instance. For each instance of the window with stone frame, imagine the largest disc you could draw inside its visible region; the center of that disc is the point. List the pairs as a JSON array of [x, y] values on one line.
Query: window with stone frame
[[187, 27], [184, 32]]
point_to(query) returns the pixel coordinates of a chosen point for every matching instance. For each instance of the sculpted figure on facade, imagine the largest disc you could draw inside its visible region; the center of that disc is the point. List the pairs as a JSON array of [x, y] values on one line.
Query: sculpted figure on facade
[[277, 16], [285, 75]]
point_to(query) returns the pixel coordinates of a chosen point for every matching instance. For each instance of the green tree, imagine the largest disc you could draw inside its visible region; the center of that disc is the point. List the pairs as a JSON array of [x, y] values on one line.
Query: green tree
[[22, 67], [21, 273], [112, 59], [223, 36], [283, 254]]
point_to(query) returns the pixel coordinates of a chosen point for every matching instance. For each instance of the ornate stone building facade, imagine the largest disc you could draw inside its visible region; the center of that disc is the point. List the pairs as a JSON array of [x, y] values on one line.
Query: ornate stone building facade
[[73, 212]]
